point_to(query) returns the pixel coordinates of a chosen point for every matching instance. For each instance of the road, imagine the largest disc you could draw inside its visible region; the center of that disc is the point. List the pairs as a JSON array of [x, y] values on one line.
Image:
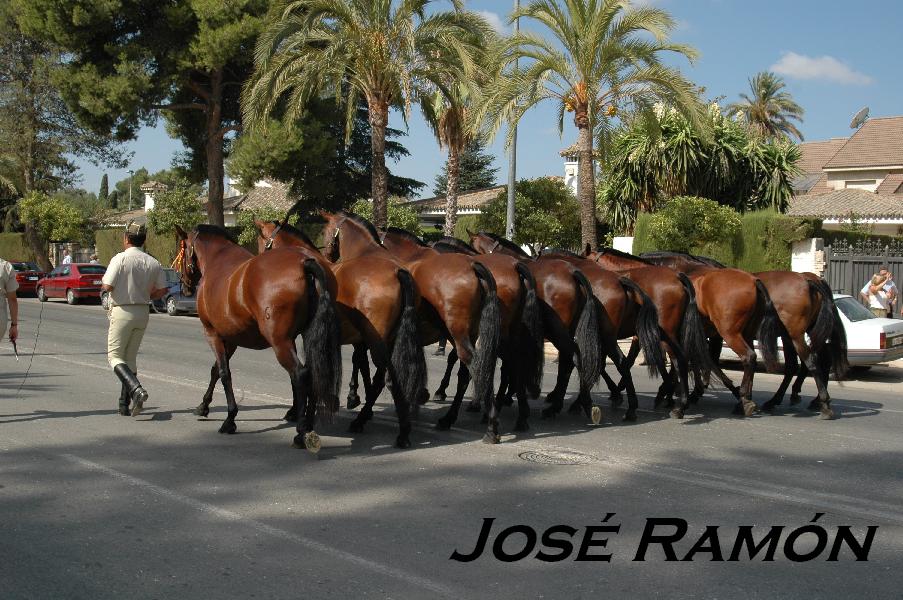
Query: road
[[95, 505]]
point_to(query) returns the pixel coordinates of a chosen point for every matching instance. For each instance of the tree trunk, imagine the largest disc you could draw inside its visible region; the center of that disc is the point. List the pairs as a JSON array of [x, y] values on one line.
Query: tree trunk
[[586, 185], [214, 151], [33, 238], [451, 189], [378, 115]]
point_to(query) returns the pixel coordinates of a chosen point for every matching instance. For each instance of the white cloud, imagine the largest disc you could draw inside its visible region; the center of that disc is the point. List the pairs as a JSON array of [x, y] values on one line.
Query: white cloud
[[826, 68], [495, 20]]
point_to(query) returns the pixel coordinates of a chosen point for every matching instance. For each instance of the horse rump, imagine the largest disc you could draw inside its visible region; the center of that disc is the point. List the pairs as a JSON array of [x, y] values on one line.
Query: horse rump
[[322, 342], [407, 360]]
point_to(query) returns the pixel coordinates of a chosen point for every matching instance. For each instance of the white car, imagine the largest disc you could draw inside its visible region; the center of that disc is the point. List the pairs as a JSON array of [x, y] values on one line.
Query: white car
[[871, 340]]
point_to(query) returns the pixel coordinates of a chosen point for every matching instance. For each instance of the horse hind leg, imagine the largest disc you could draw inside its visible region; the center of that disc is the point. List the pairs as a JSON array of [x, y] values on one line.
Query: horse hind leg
[[744, 349], [366, 412], [358, 364], [791, 365], [440, 396], [225, 374], [448, 419], [203, 409]]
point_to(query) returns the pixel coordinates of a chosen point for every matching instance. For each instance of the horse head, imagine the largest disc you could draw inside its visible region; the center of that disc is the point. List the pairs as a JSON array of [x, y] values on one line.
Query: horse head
[[186, 262]]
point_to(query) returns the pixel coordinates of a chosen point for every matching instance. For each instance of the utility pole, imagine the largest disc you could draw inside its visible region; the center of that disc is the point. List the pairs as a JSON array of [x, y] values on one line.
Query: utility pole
[[512, 157], [130, 188]]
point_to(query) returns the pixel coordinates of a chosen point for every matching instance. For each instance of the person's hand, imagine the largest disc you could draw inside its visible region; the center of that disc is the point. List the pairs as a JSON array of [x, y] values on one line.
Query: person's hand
[[13, 332]]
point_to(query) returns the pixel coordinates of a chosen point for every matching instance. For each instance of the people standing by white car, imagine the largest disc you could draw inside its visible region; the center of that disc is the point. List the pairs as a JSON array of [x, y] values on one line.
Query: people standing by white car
[[876, 296]]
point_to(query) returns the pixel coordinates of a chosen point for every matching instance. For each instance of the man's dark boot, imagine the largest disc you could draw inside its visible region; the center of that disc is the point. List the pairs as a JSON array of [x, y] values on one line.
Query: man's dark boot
[[137, 393], [124, 401]]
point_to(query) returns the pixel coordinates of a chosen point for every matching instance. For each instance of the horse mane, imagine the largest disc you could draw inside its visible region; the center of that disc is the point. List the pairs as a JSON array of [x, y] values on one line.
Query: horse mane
[[363, 223], [625, 255], [455, 245], [560, 252], [711, 262], [404, 233], [295, 232], [215, 230], [505, 242]]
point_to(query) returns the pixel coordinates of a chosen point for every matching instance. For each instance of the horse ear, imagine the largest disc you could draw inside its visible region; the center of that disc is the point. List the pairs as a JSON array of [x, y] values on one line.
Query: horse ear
[[587, 250], [181, 233]]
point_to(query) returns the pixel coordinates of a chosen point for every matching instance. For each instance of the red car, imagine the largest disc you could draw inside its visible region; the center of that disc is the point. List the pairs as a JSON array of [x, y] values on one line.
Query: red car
[[27, 275], [73, 282]]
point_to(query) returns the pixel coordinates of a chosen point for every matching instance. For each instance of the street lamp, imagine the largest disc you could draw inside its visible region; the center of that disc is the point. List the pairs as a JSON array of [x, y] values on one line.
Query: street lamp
[[512, 158], [130, 188]]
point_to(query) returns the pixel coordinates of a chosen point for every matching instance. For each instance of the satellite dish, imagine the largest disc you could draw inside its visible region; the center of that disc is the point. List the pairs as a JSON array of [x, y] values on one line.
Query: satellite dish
[[860, 118]]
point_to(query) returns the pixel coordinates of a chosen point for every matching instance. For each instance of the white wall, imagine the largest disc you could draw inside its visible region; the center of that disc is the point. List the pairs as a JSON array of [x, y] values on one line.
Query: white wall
[[808, 256], [624, 244]]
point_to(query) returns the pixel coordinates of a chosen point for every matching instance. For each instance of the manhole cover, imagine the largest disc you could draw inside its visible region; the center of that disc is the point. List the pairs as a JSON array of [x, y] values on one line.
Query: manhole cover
[[557, 457]]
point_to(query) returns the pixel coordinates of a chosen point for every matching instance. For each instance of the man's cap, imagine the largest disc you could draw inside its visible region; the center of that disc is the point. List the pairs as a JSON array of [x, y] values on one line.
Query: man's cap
[[134, 228]]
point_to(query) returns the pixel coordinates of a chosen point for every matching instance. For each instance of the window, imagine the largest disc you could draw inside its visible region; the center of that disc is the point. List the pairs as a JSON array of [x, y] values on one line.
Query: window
[[860, 184], [92, 269], [852, 310]]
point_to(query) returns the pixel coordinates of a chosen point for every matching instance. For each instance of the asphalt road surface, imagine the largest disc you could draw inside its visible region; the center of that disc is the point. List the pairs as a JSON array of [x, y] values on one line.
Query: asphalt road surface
[[95, 505]]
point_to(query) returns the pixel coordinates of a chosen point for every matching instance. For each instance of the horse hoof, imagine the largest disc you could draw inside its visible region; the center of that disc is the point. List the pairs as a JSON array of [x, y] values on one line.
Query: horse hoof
[[768, 407], [738, 409], [356, 427], [826, 415], [815, 404], [617, 400], [291, 416], [575, 408], [124, 411], [444, 424], [550, 412], [228, 427], [750, 408], [795, 399], [351, 402], [630, 416], [521, 426], [201, 410], [491, 438], [309, 441], [474, 407], [595, 415], [677, 413], [439, 397], [402, 443], [551, 399]]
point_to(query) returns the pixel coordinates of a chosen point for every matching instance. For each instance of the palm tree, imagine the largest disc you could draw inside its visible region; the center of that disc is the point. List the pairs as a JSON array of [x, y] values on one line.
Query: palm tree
[[381, 50], [770, 110], [606, 57]]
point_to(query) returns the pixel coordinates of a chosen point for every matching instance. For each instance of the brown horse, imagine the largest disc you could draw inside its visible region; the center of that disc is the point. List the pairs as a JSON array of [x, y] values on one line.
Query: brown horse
[[459, 299], [571, 320], [738, 310], [521, 344], [259, 302], [675, 298], [376, 305]]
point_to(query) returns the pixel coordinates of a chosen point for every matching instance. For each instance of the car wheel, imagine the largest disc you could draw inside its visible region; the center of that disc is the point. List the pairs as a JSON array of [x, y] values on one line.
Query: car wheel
[[171, 308], [41, 295], [70, 297]]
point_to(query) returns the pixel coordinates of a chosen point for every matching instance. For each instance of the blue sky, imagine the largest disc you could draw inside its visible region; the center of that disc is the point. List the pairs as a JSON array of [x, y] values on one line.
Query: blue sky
[[835, 57]]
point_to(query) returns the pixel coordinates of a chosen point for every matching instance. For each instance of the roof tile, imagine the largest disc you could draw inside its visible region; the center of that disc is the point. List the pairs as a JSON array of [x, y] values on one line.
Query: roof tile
[[841, 203], [878, 143]]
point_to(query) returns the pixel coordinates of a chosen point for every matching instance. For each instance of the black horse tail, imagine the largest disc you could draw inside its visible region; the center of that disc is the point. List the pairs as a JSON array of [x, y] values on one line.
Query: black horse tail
[[530, 353], [770, 329], [488, 336], [647, 329], [693, 336], [820, 332], [407, 360], [587, 335], [322, 342], [837, 343]]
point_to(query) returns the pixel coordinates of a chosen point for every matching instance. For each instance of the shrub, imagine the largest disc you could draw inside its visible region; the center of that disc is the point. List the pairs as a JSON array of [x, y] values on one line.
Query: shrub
[[399, 214], [687, 222], [13, 247]]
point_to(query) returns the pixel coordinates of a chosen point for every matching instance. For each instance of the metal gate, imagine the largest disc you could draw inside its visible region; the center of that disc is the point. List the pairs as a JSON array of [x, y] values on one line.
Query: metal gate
[[849, 266]]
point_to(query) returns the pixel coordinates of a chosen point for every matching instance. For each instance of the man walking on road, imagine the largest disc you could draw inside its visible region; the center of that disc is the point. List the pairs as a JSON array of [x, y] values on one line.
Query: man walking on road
[[8, 287], [133, 278]]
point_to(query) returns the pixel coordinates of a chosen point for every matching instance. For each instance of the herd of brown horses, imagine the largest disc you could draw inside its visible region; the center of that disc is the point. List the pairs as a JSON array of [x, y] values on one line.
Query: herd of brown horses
[[388, 294]]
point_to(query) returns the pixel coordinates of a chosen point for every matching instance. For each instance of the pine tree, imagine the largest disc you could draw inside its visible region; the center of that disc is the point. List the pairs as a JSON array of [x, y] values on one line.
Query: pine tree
[[476, 167], [104, 193]]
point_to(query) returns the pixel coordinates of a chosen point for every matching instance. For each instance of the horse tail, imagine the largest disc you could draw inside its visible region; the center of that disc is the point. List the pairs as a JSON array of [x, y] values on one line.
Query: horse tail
[[531, 354], [587, 335], [647, 329], [770, 329], [820, 332], [488, 335], [837, 341], [693, 337], [407, 360], [322, 342]]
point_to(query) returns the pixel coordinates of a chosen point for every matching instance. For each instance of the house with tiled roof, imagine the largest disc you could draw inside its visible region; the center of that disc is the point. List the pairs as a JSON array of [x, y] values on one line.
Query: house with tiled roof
[[860, 177], [266, 193], [432, 210]]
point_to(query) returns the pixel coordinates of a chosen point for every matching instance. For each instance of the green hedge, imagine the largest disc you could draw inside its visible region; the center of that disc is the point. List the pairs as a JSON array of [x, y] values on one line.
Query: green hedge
[[108, 242], [762, 244], [14, 248]]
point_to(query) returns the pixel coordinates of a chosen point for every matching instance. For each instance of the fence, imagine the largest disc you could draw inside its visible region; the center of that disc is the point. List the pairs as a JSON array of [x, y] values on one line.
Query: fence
[[850, 266]]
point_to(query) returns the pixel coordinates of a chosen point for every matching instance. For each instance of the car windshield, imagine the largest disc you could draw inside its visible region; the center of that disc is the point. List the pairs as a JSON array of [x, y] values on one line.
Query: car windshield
[[25, 266], [92, 269], [853, 311], [171, 276]]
